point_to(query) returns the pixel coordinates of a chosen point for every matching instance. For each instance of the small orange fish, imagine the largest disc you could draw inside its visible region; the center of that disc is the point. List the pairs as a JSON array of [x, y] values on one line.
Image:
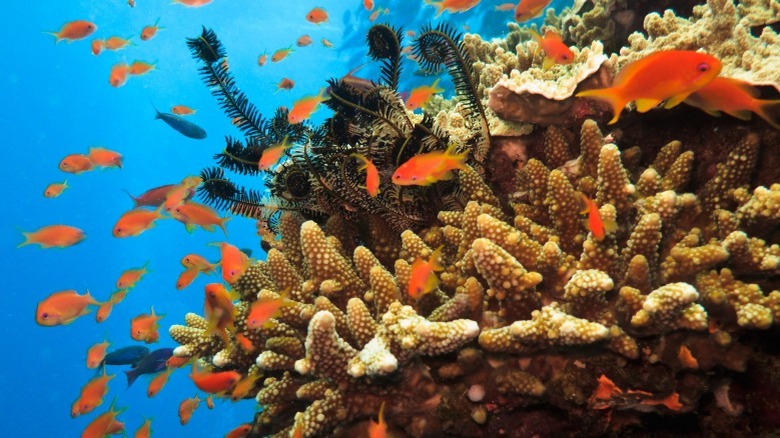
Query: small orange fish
[[177, 196], [263, 310], [104, 424], [428, 168], [374, 15], [530, 9], [53, 236], [245, 343], [214, 383], [135, 222], [130, 277], [76, 163], [138, 68], [378, 429], [244, 387], [271, 155], [158, 381], [555, 50], [596, 225], [280, 54], [144, 327], [148, 32], [105, 157], [285, 84], [74, 30], [372, 175], [368, 5], [118, 75], [193, 213], [104, 311], [210, 401], [234, 262], [505, 7], [55, 189], [303, 41], [117, 43], [74, 408], [96, 353], [182, 110], [186, 408], [670, 75], [186, 278], [195, 261], [118, 296], [177, 361], [326, 43], [304, 107], [421, 95], [262, 59], [453, 6], [423, 279], [145, 430], [317, 16], [63, 307], [193, 3], [97, 46], [219, 311], [152, 197], [93, 391], [736, 98], [240, 432]]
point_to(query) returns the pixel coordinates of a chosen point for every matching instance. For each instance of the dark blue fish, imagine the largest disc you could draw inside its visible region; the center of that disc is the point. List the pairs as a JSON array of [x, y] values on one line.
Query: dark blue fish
[[151, 364], [126, 356], [185, 127]]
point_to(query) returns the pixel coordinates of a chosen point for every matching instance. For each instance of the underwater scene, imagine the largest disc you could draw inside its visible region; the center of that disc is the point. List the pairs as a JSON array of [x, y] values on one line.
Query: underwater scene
[[410, 218]]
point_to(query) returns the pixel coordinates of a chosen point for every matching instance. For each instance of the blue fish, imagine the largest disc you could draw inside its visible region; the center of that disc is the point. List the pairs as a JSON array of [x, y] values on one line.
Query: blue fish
[[126, 356], [150, 364], [185, 127]]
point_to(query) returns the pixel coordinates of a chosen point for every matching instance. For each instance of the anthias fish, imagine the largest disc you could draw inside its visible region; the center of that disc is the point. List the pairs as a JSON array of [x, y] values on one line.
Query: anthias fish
[[184, 127]]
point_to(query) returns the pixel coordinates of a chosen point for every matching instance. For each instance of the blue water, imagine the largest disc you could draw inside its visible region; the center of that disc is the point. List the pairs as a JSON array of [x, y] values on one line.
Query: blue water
[[56, 101]]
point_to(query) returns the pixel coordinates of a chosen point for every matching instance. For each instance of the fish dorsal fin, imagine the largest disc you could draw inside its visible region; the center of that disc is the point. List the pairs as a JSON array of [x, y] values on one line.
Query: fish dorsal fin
[[646, 104]]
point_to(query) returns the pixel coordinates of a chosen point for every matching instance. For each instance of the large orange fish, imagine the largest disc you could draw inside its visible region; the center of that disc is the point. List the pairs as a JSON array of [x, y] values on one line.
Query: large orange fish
[[372, 174], [423, 279], [186, 408], [378, 429], [96, 353], [193, 213], [103, 157], [219, 311], [135, 222], [317, 16], [736, 98], [76, 163], [271, 155], [63, 307], [74, 30], [304, 107], [529, 9], [214, 383], [234, 262], [421, 95], [54, 190], [144, 327], [428, 168], [453, 6], [53, 236], [148, 32], [555, 50], [670, 75], [130, 277]]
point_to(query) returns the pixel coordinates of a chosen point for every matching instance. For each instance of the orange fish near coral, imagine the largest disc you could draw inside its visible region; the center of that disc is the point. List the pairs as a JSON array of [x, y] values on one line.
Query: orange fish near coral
[[421, 95], [144, 327], [596, 225], [193, 213], [135, 222], [219, 311], [74, 30], [555, 51], [158, 381], [529, 9], [182, 110], [96, 353], [372, 175], [234, 262], [186, 408], [304, 107], [240, 431], [186, 278], [271, 155], [53, 236], [76, 163], [670, 75], [245, 342], [214, 383], [148, 32], [736, 98], [54, 190], [317, 16], [105, 157], [453, 6], [130, 277], [199, 263], [428, 168], [118, 75], [423, 279], [244, 386], [263, 310], [378, 429]]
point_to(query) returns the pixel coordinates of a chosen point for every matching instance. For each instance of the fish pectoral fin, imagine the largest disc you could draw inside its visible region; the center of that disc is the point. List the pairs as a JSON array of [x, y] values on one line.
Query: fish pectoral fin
[[190, 228], [548, 63], [676, 100], [646, 104]]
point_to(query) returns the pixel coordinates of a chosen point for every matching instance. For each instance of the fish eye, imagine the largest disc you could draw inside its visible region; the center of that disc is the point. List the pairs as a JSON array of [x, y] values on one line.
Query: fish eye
[[564, 56], [703, 67], [44, 315], [414, 178]]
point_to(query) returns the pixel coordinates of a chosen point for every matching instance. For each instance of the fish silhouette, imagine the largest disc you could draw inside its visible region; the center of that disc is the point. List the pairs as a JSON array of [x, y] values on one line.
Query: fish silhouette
[[185, 127]]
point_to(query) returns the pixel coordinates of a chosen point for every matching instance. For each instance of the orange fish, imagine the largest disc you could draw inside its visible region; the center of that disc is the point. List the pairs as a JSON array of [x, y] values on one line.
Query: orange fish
[[182, 110], [76, 163], [74, 408], [145, 430], [368, 4], [271, 155], [177, 361], [234, 262], [96, 353], [244, 387], [219, 311], [529, 9], [135, 222], [263, 310], [304, 107], [374, 15], [130, 277], [372, 175], [428, 168], [423, 277], [245, 343], [505, 7], [280, 54], [193, 213], [303, 41], [105, 157], [670, 75], [736, 98], [104, 424], [317, 16], [555, 50], [117, 43], [152, 197], [596, 225], [104, 311], [186, 408], [158, 381], [326, 43], [144, 327], [240, 432], [148, 32], [176, 196], [453, 6], [195, 261], [138, 68], [210, 401], [97, 46], [55, 189], [214, 383], [186, 278], [421, 95], [93, 391], [63, 307], [118, 75], [262, 59], [53, 236], [285, 84], [74, 30], [378, 429], [193, 3]]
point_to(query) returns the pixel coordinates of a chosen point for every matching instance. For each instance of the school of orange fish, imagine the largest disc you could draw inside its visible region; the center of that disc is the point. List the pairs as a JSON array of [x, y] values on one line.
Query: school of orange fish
[[668, 76]]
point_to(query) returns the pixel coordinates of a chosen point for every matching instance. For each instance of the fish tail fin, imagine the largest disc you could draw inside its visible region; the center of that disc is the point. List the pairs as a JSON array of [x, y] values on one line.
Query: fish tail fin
[[769, 110], [435, 86], [222, 222], [91, 299], [131, 376], [435, 259], [135, 200], [27, 240], [608, 95], [65, 184], [459, 157], [56, 36]]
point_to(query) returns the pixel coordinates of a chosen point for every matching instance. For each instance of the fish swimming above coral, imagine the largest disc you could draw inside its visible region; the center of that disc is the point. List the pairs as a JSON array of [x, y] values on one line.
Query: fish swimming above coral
[[184, 127]]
